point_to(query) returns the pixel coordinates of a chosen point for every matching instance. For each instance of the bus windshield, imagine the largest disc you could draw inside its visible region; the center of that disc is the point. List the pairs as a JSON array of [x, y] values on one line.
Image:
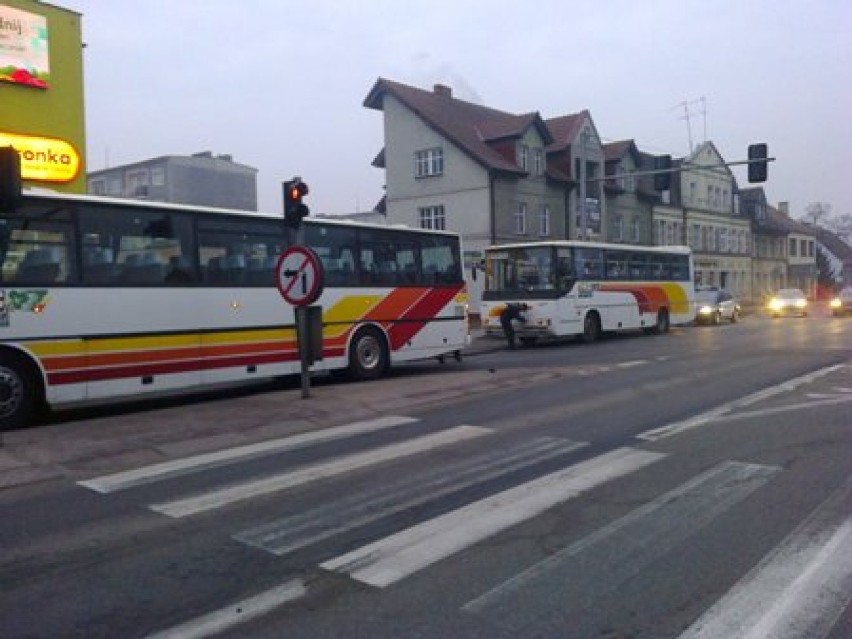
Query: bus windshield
[[534, 271]]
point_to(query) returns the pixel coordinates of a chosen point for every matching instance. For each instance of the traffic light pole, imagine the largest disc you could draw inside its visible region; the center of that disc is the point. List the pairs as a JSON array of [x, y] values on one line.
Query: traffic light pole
[[683, 169]]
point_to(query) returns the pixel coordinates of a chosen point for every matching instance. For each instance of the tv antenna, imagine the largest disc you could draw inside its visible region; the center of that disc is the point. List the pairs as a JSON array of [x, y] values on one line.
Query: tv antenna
[[690, 109]]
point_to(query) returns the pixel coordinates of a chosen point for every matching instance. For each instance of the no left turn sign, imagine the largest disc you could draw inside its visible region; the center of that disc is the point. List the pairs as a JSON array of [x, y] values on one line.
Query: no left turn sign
[[299, 276]]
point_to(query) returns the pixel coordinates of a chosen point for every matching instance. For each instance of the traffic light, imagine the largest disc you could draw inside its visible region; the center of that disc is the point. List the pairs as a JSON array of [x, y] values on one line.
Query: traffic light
[[663, 177], [294, 208], [10, 179], [757, 154]]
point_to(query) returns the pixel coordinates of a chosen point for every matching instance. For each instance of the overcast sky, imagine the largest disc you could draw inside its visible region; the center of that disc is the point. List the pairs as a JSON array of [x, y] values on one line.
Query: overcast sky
[[279, 84]]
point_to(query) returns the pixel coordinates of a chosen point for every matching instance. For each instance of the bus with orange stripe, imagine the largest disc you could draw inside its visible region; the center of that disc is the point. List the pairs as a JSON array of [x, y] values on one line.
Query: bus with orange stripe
[[581, 288], [104, 298]]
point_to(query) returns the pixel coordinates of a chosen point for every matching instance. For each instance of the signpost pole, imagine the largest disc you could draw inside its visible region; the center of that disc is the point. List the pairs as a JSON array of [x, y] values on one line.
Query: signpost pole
[[303, 341], [299, 278]]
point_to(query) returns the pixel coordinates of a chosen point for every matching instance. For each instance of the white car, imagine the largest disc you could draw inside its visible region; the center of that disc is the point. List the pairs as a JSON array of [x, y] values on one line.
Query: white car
[[788, 301], [841, 304]]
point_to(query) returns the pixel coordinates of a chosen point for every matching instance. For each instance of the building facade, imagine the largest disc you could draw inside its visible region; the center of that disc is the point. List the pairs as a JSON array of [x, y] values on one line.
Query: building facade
[[497, 177], [628, 198], [41, 93], [484, 173], [201, 179], [701, 211]]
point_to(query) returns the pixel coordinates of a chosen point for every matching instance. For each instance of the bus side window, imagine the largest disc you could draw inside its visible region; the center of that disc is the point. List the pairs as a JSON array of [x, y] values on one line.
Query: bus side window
[[638, 266]]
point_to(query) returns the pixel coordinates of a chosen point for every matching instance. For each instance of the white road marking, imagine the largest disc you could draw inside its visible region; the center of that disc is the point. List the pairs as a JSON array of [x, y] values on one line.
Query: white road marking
[[632, 363], [404, 553], [714, 413], [165, 470], [362, 507], [239, 492], [597, 564], [799, 590], [241, 612]]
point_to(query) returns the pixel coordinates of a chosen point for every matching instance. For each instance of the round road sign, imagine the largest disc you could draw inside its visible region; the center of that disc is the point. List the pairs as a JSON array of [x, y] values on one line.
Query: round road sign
[[299, 276]]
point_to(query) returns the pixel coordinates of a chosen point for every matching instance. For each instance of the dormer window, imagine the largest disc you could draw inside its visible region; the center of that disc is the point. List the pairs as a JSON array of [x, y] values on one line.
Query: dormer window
[[523, 156], [429, 162], [538, 162]]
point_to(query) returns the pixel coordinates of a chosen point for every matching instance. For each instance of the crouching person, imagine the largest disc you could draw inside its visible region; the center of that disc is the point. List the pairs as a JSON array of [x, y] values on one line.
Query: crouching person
[[513, 311]]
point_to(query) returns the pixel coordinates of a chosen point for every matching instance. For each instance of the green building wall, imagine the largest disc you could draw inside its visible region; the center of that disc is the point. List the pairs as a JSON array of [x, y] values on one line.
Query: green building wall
[[58, 111]]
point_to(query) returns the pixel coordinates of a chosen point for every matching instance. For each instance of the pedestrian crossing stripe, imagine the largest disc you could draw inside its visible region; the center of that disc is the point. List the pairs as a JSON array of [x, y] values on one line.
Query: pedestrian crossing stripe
[[388, 560]]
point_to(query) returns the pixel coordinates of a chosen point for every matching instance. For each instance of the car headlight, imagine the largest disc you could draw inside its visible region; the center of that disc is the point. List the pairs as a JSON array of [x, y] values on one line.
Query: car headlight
[[835, 303], [801, 303], [775, 304], [705, 310]]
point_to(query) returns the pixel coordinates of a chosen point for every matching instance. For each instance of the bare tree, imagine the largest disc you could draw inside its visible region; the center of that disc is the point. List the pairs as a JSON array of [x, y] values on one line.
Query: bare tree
[[817, 213], [842, 226]]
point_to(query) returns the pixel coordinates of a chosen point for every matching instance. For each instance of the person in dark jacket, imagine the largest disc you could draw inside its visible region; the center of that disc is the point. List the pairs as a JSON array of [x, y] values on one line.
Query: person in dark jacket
[[511, 312]]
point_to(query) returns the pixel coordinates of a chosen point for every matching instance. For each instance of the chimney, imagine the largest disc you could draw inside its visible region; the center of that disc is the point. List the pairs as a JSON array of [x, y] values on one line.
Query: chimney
[[784, 207], [444, 90]]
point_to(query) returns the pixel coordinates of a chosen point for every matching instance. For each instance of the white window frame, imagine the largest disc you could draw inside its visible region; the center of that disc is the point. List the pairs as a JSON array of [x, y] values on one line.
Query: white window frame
[[521, 219], [429, 162], [523, 156], [432, 217], [538, 161], [544, 221], [618, 228]]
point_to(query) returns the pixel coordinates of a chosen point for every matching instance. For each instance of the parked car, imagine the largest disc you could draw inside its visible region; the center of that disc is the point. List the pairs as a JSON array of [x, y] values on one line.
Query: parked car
[[788, 301], [842, 302], [713, 305]]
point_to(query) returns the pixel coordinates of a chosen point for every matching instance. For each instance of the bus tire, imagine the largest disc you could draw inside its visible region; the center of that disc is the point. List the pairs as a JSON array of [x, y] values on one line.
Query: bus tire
[[591, 327], [662, 325], [368, 354], [20, 392]]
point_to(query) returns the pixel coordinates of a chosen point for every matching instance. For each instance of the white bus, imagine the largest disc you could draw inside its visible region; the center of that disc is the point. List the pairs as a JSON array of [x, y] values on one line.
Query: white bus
[[106, 298], [585, 288]]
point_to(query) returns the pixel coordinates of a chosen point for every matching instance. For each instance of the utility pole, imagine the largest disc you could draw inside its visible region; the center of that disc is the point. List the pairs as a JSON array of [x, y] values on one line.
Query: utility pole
[[583, 212]]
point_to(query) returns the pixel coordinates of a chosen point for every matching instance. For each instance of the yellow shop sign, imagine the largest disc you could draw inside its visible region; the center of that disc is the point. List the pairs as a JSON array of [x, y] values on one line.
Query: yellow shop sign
[[44, 159]]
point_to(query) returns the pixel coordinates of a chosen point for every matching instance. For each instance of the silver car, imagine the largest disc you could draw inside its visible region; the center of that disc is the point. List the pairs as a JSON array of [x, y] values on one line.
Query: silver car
[[713, 305]]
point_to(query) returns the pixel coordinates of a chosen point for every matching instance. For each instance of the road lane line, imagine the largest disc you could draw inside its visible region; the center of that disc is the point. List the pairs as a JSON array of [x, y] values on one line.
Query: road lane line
[[723, 409], [177, 467], [797, 591], [239, 492], [238, 613], [580, 574], [404, 553], [354, 510]]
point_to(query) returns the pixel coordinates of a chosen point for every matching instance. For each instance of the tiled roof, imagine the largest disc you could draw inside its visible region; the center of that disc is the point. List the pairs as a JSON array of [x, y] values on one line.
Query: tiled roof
[[776, 220], [564, 129], [834, 243], [379, 160], [614, 151], [469, 126]]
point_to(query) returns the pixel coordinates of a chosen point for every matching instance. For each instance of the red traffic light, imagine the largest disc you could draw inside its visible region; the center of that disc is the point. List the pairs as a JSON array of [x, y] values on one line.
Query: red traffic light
[[298, 189], [294, 208]]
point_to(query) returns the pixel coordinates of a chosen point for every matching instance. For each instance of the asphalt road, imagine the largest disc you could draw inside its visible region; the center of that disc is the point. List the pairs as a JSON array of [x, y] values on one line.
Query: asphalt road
[[690, 485]]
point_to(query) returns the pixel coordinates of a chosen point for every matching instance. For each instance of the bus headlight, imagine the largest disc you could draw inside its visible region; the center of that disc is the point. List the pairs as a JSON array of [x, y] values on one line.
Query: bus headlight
[[835, 303], [705, 310]]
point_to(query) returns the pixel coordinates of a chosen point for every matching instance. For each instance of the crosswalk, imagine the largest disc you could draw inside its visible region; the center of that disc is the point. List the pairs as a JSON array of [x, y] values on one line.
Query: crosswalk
[[797, 590]]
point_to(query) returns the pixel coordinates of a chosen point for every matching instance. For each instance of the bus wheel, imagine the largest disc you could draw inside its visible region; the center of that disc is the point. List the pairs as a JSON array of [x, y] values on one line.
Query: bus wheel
[[368, 355], [662, 325], [591, 327], [18, 394]]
